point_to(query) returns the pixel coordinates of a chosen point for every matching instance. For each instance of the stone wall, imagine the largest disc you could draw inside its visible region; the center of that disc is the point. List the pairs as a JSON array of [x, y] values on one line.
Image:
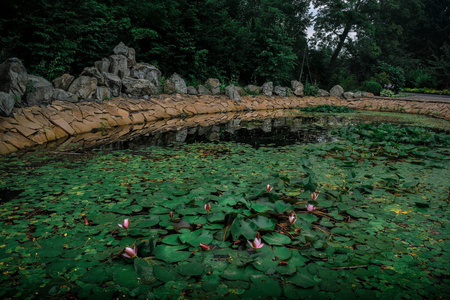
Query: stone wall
[[31, 126]]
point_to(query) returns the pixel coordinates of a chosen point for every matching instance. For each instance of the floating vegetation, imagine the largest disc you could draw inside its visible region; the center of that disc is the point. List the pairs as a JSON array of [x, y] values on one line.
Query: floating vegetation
[[325, 108], [365, 217]]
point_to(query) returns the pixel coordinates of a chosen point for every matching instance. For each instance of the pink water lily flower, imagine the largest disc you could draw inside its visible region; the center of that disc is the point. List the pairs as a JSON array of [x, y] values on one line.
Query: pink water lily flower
[[130, 252], [269, 188], [310, 207], [126, 223], [256, 243], [205, 247], [314, 196], [292, 218]]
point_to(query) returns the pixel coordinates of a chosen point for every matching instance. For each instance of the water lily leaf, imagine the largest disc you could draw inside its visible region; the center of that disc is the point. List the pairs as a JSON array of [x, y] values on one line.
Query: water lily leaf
[[194, 268], [268, 286], [196, 237], [125, 275], [282, 206], [276, 239], [144, 270], [247, 228], [265, 223], [171, 254], [282, 253], [302, 278], [167, 272]]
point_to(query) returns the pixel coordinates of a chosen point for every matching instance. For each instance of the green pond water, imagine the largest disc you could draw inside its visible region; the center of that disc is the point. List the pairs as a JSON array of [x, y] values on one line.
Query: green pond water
[[380, 228]]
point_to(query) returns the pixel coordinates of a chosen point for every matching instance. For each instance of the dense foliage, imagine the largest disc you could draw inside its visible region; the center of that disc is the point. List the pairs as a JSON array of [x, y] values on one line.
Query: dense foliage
[[325, 108], [238, 41]]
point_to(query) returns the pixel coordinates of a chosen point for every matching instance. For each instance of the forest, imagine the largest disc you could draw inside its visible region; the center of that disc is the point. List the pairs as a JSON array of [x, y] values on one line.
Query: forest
[[402, 43]]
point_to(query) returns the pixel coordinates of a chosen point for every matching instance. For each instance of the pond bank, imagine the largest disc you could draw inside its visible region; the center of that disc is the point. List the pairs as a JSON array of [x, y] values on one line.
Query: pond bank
[[36, 125]]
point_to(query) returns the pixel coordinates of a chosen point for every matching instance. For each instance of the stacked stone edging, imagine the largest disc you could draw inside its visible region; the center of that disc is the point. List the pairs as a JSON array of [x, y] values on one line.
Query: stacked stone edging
[[37, 125]]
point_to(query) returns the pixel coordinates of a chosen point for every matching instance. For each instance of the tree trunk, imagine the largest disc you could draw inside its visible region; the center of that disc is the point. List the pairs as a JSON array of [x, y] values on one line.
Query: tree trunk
[[338, 49]]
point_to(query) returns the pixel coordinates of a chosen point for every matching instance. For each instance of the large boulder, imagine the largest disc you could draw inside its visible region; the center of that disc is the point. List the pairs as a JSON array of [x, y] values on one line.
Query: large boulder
[[280, 91], [233, 93], [103, 93], [62, 95], [40, 91], [192, 90], [179, 84], [103, 65], [113, 83], [6, 104], [267, 88], [94, 72], [349, 95], [169, 87], [253, 89], [63, 82], [297, 88], [147, 72], [213, 84], [13, 79], [118, 65], [122, 49], [84, 87], [336, 91], [138, 87], [322, 93], [203, 90]]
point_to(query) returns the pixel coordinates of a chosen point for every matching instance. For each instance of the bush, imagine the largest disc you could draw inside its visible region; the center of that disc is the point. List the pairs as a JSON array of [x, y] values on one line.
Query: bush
[[396, 75], [372, 87], [311, 90], [418, 78], [387, 93]]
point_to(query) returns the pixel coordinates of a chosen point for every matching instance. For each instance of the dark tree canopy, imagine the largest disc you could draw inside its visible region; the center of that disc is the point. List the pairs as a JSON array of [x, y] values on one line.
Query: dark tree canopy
[[241, 41]]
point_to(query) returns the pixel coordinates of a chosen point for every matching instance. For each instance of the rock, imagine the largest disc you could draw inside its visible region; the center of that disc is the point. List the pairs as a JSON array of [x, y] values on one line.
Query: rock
[[191, 90], [253, 89], [349, 95], [138, 87], [297, 88], [367, 94], [113, 83], [103, 65], [233, 93], [103, 93], [119, 65], [203, 90], [267, 88], [63, 82], [179, 83], [59, 94], [121, 49], [93, 72], [13, 79], [240, 91], [6, 104], [147, 72], [169, 87], [84, 87], [280, 91], [213, 84], [322, 93], [357, 94], [131, 54], [336, 91], [40, 91]]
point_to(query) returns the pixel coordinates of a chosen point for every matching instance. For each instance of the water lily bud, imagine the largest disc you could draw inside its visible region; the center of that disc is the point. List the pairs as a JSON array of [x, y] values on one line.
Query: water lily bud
[[310, 207], [171, 215], [86, 222], [126, 224], [292, 218], [130, 252], [269, 188], [314, 196], [207, 207], [256, 244], [204, 246]]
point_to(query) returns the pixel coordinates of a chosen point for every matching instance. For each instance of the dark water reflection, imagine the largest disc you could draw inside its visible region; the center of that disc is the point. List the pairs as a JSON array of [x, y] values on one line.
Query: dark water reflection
[[275, 128]]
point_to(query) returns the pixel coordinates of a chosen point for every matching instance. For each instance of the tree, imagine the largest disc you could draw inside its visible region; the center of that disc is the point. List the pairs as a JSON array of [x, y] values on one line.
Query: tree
[[335, 20]]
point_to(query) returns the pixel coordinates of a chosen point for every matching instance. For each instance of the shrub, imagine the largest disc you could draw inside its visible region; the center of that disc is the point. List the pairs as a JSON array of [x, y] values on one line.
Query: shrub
[[372, 87], [311, 90], [418, 78], [386, 93], [396, 75]]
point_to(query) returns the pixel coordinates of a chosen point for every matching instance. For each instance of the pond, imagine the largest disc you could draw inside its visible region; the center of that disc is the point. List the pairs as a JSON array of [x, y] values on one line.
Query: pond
[[360, 213]]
